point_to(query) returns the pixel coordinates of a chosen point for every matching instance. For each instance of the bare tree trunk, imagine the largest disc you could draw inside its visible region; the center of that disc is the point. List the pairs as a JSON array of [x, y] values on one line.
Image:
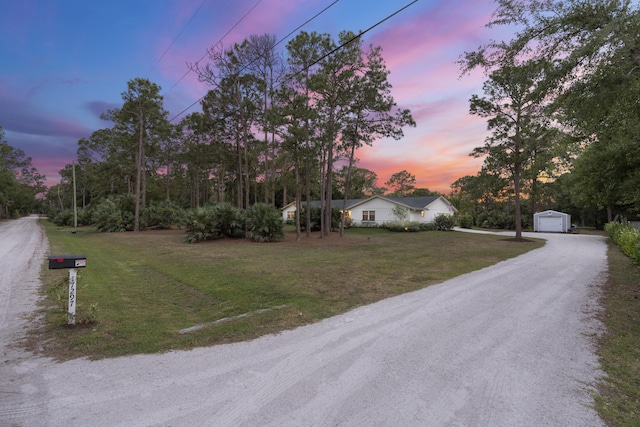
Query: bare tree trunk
[[516, 185], [284, 195], [298, 198], [139, 162], [247, 185], [239, 174], [168, 182], [144, 182], [347, 184], [329, 175]]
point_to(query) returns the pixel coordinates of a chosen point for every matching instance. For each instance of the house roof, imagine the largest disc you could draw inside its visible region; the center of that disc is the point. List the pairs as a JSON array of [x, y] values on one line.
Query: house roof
[[550, 213], [419, 202]]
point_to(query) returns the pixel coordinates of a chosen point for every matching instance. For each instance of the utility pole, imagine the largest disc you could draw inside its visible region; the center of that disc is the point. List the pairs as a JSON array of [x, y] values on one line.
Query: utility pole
[[75, 203]]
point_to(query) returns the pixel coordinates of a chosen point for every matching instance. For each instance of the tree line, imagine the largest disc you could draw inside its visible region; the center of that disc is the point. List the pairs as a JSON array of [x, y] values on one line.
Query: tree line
[[560, 99], [274, 127], [562, 104], [20, 181]]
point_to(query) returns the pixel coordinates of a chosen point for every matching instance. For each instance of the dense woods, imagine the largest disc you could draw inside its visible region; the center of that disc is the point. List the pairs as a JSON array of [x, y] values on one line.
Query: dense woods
[[20, 182], [561, 100], [274, 127]]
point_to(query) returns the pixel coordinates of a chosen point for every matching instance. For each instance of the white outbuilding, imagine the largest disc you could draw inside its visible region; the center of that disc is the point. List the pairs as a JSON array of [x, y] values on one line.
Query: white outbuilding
[[551, 222]]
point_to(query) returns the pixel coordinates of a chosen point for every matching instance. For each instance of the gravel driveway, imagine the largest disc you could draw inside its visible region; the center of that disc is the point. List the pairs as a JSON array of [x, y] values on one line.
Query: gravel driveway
[[509, 345]]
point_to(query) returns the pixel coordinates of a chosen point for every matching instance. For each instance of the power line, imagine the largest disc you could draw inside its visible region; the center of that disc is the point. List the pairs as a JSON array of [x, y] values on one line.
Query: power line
[[352, 39], [306, 22], [179, 34], [219, 41], [280, 41], [360, 34]]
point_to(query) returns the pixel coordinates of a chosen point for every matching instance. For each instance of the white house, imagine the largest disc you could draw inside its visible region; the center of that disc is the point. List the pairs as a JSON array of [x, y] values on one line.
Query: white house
[[377, 210], [551, 222]]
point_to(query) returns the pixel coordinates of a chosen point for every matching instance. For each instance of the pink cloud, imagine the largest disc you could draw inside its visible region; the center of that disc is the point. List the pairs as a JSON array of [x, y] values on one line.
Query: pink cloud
[[433, 173], [433, 32], [224, 27], [421, 54], [420, 49]]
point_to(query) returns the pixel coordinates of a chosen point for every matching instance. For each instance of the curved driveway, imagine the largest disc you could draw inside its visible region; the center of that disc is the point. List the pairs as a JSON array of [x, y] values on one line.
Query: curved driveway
[[508, 345]]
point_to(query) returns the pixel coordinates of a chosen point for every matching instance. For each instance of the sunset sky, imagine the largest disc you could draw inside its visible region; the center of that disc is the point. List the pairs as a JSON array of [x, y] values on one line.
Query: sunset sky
[[64, 62]]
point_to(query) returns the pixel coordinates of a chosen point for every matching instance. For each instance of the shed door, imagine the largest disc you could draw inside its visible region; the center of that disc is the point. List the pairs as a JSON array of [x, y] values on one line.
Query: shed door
[[550, 224]]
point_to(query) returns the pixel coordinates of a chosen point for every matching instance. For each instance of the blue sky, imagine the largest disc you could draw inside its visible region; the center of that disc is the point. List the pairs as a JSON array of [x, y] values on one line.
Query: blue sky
[[64, 62]]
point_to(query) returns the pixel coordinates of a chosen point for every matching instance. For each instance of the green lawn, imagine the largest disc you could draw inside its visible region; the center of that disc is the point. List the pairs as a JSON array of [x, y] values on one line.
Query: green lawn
[[619, 348], [143, 289]]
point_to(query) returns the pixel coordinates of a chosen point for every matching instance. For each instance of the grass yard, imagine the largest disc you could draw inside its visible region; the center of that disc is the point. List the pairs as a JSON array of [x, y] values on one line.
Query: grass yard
[[140, 290], [618, 401], [143, 289]]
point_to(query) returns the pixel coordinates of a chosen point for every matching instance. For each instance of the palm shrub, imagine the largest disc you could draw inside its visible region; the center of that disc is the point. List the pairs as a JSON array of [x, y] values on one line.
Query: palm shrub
[[200, 224], [264, 223], [162, 215], [63, 218], [230, 220], [213, 221], [85, 216], [444, 222], [115, 214]]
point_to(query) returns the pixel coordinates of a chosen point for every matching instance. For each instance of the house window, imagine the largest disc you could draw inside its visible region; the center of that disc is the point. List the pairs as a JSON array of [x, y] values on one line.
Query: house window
[[368, 215], [291, 215]]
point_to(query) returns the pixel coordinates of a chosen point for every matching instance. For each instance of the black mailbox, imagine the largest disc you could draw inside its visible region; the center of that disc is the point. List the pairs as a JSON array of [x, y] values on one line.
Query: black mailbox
[[67, 261]]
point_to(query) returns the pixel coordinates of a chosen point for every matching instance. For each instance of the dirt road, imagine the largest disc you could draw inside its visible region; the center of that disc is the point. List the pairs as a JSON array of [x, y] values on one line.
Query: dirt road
[[505, 346]]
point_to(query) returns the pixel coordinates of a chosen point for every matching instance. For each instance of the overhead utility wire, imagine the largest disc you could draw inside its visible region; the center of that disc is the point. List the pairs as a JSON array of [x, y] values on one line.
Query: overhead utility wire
[[219, 41], [352, 39], [179, 34], [280, 41], [306, 22], [324, 56]]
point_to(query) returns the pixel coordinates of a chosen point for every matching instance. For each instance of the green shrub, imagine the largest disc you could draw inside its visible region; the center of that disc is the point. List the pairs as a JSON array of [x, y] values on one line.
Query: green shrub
[[230, 219], [466, 221], [444, 222], [200, 224], [63, 218], [162, 215], [403, 226], [85, 216], [626, 237], [316, 222], [315, 218], [496, 219], [427, 226], [213, 221], [264, 223], [115, 214]]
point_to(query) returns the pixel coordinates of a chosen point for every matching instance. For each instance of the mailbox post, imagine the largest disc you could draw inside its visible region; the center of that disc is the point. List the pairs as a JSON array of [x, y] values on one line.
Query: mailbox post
[[71, 262]]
